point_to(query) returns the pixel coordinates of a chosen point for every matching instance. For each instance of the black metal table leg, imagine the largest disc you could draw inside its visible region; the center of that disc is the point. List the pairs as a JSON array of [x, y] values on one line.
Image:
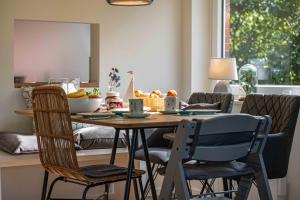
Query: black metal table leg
[[135, 185], [149, 171], [114, 149], [45, 182], [130, 163]]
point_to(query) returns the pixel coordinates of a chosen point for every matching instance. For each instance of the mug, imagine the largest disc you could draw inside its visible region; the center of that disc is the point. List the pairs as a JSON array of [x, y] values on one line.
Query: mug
[[136, 106], [170, 103]]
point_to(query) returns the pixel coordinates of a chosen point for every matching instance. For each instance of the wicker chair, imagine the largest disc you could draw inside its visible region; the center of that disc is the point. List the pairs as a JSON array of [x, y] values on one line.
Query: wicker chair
[[56, 145]]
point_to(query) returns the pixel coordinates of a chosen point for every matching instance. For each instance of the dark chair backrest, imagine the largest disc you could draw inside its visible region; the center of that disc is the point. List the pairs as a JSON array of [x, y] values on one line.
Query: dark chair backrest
[[283, 110], [54, 132], [186, 146], [240, 128], [225, 99]]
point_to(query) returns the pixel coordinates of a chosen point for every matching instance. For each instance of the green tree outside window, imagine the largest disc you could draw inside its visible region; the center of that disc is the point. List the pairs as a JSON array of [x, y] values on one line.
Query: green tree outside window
[[268, 30]]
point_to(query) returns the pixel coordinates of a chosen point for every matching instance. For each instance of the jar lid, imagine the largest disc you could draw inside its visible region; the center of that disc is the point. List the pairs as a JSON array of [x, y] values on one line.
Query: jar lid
[[113, 94]]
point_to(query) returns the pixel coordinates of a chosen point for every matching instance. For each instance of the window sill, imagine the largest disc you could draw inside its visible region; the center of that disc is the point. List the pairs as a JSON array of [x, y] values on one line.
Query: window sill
[[35, 84], [272, 86], [269, 89]]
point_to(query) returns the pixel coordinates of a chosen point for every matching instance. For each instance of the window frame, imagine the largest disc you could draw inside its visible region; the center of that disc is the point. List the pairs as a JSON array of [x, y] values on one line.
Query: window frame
[[222, 21]]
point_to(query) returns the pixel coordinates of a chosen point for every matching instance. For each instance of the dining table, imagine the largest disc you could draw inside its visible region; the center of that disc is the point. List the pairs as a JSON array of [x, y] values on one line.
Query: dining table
[[137, 126]]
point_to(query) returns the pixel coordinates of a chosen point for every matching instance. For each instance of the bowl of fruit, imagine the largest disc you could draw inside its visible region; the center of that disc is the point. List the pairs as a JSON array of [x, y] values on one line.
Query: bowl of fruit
[[82, 101]]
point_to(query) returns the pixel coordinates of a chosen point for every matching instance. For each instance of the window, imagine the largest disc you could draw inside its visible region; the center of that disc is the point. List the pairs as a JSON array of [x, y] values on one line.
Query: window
[[265, 33]]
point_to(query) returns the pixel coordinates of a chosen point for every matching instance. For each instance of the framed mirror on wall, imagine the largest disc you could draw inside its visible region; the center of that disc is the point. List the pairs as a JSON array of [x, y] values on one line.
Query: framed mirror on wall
[[46, 50]]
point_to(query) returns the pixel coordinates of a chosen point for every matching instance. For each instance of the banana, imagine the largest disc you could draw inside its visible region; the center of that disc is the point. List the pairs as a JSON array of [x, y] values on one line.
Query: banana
[[78, 94], [84, 97]]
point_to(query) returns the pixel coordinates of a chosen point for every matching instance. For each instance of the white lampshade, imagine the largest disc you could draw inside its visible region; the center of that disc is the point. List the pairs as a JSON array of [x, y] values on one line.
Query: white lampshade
[[223, 69]]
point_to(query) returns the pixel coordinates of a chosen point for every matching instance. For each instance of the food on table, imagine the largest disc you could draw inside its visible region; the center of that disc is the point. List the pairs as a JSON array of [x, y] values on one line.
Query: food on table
[[80, 93], [94, 94], [157, 92], [172, 93], [153, 100], [138, 93], [144, 95], [113, 100], [153, 95]]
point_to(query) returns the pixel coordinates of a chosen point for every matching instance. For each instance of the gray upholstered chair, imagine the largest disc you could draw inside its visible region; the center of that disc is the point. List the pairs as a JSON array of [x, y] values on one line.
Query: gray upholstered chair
[[284, 111], [160, 148], [218, 160]]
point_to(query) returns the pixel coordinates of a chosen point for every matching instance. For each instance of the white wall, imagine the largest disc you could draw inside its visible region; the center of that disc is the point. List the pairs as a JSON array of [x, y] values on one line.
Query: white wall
[[44, 50], [144, 39], [197, 26]]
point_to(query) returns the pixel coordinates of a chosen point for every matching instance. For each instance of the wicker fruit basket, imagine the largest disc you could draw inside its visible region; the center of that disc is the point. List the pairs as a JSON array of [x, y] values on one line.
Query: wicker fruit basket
[[155, 104]]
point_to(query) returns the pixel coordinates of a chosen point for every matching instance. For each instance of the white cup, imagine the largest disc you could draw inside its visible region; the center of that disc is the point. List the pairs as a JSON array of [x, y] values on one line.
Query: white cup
[[170, 103], [136, 106]]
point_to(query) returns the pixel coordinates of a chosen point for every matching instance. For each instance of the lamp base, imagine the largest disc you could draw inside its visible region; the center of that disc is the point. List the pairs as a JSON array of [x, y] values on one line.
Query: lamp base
[[222, 87]]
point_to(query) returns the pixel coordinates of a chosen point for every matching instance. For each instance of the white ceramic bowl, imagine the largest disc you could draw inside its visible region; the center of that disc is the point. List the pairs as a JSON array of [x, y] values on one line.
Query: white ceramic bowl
[[84, 105]]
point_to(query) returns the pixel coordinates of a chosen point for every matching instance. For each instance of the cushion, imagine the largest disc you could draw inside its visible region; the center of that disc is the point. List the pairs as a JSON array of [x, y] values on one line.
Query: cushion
[[206, 171], [98, 171], [98, 137], [78, 125], [226, 100], [185, 106], [156, 155], [15, 143]]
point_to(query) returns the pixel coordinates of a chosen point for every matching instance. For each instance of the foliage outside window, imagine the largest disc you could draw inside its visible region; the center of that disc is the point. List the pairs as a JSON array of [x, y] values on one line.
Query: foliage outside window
[[265, 33]]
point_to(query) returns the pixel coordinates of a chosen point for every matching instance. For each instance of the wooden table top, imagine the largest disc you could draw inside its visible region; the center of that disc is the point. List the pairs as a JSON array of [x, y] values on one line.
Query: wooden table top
[[155, 120]]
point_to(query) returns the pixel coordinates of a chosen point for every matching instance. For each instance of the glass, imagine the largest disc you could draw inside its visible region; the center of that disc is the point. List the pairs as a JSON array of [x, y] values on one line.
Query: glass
[[69, 85], [248, 78]]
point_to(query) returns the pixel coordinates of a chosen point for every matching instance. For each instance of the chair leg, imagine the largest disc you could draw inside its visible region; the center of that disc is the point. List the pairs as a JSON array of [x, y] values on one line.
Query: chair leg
[[85, 192], [225, 187], [244, 187], [135, 185], [141, 188], [188, 182], [155, 174], [136, 189], [45, 182], [51, 187]]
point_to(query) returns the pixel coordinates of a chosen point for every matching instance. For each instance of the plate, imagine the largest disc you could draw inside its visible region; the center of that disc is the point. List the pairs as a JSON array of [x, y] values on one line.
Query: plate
[[96, 115], [203, 111], [136, 115], [185, 112], [120, 112], [169, 112]]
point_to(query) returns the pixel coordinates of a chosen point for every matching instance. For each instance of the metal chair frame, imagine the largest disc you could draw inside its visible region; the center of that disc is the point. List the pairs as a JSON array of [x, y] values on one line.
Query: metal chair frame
[[185, 148]]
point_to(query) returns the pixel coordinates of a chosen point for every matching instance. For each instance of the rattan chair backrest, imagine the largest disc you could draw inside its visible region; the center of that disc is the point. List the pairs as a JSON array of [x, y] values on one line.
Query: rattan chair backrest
[[54, 132]]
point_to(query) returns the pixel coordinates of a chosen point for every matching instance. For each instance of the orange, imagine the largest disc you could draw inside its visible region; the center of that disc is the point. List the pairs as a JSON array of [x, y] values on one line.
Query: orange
[[172, 93]]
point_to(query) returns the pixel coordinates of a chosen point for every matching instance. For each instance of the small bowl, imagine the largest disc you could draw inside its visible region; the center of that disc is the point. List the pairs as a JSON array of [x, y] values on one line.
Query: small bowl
[[84, 105]]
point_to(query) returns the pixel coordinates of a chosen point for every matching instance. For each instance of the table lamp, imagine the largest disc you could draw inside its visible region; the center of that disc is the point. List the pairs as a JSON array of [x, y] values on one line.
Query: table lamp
[[224, 70]]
